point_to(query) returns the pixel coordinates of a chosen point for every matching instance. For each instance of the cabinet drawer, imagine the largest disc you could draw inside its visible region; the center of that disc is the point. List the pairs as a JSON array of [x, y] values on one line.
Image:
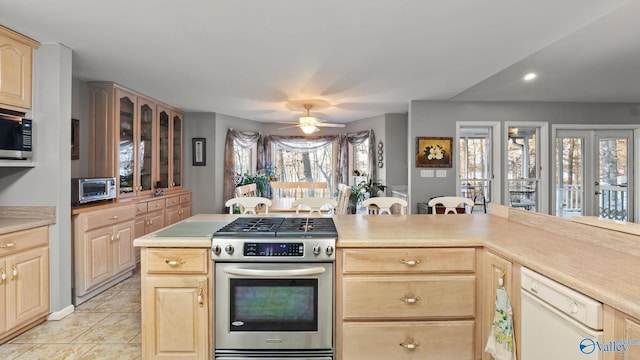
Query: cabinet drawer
[[155, 205], [408, 297], [141, 208], [408, 260], [169, 261], [436, 340], [172, 201], [100, 218], [185, 199], [24, 239]]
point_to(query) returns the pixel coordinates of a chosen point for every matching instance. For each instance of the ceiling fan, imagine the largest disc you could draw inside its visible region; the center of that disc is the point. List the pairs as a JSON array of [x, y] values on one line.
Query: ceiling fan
[[310, 124]]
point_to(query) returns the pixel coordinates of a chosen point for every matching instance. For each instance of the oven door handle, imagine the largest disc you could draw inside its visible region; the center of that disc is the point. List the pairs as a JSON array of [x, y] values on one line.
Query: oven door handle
[[270, 273]]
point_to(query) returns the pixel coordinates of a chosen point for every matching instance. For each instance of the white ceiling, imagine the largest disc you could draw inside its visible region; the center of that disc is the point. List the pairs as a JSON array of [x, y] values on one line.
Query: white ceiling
[[262, 59]]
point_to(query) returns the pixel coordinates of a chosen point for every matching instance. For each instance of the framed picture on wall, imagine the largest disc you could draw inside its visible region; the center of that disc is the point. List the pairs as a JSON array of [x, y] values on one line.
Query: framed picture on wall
[[199, 151], [434, 152]]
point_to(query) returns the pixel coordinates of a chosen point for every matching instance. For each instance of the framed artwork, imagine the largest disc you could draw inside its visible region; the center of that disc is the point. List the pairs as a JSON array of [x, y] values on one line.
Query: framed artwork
[[199, 151], [434, 152], [75, 139]]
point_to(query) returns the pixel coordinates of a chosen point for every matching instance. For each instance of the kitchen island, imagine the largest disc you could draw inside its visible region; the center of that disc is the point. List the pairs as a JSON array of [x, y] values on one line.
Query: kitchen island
[[599, 262]]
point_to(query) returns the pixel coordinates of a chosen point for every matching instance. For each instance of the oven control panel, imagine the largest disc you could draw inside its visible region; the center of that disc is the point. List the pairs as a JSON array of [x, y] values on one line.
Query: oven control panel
[[273, 249]]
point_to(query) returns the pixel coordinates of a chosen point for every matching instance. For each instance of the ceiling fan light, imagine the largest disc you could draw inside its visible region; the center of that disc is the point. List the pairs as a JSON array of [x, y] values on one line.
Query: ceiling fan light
[[308, 129]]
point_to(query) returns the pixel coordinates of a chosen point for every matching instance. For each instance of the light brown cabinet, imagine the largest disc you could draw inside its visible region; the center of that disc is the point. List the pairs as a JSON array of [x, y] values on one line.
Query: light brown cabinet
[[24, 280], [176, 303], [178, 208], [16, 54], [103, 250], [498, 272], [135, 140], [406, 303], [623, 329]]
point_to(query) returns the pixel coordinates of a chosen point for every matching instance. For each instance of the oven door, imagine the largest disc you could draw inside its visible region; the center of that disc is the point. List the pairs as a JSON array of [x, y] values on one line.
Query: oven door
[[273, 306]]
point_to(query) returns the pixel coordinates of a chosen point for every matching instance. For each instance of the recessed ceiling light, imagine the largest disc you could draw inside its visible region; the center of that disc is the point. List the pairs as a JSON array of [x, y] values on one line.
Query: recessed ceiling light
[[530, 76]]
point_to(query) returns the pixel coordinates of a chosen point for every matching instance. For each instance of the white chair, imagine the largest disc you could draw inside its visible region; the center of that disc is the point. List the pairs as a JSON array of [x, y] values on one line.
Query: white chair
[[314, 203], [382, 205], [246, 190], [450, 203], [344, 193], [248, 204]]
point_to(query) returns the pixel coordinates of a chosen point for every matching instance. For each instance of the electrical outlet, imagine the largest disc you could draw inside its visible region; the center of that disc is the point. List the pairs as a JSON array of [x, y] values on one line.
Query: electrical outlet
[[426, 173], [441, 173]]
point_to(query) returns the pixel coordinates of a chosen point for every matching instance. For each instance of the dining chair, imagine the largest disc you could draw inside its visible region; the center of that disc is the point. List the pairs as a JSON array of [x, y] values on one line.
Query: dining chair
[[314, 203], [382, 205], [344, 193], [246, 190], [450, 204], [248, 204]]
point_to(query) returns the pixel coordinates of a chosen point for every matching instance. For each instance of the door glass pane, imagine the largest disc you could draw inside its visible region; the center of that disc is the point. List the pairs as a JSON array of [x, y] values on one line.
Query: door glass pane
[[126, 147], [612, 184], [475, 164], [569, 176], [164, 150], [522, 168], [177, 151], [145, 147]]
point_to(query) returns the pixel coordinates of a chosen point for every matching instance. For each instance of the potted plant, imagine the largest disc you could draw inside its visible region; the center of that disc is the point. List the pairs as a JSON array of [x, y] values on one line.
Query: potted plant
[[363, 190]]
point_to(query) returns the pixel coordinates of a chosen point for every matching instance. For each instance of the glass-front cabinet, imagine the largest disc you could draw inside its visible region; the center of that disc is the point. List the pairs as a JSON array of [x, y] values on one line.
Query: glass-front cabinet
[[170, 149], [135, 140]]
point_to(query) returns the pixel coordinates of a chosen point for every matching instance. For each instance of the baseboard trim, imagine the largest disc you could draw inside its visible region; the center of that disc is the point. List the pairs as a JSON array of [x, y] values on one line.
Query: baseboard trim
[[59, 315]]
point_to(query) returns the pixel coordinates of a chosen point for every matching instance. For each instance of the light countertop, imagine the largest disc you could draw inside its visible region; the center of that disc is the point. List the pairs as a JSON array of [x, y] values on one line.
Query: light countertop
[[599, 262], [16, 218]]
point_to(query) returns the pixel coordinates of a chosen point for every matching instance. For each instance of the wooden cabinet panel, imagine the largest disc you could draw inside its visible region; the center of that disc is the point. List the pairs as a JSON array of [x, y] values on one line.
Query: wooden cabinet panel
[[16, 53], [409, 260], [108, 217], [622, 329], [123, 247], [28, 286], [97, 249], [401, 297], [3, 295], [444, 340], [174, 261], [21, 240]]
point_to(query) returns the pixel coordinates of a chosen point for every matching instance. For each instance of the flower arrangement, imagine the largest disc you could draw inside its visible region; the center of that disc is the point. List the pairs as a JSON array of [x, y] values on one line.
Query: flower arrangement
[[364, 189], [261, 178], [435, 152]]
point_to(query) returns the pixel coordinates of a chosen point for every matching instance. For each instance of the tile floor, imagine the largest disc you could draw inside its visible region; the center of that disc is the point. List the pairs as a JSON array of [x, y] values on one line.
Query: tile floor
[[105, 327]]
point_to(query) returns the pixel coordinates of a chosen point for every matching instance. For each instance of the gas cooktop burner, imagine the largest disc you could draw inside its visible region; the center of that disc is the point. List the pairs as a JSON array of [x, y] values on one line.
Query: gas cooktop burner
[[279, 227]]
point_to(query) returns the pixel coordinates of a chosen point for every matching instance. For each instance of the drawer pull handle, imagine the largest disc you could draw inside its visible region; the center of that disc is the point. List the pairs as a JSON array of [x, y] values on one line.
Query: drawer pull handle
[[157, 205], [7, 245], [410, 345], [175, 262], [114, 217], [200, 291], [3, 276], [410, 262], [410, 300], [14, 272]]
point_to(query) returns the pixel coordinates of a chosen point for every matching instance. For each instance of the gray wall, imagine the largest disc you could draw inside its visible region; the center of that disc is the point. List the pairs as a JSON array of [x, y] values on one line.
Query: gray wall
[[47, 184], [395, 149], [200, 179], [80, 111], [438, 118]]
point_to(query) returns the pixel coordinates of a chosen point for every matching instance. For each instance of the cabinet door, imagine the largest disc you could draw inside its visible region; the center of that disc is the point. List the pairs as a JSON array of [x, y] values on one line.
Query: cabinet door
[[15, 73], [176, 150], [155, 221], [185, 211], [495, 268], [123, 257], [173, 215], [27, 285], [175, 314], [97, 255], [146, 145], [127, 152], [164, 116], [3, 295], [627, 329]]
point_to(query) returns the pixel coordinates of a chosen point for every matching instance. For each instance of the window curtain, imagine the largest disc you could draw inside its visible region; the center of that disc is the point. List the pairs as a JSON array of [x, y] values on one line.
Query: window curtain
[[356, 139], [244, 139]]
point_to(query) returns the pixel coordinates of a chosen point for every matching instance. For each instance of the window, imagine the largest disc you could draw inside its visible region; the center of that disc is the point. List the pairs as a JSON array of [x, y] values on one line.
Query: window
[[312, 165], [361, 156], [243, 159], [475, 163], [522, 167]]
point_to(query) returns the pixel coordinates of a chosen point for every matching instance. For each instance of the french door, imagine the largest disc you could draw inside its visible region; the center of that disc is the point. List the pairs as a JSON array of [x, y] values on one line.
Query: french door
[[594, 173]]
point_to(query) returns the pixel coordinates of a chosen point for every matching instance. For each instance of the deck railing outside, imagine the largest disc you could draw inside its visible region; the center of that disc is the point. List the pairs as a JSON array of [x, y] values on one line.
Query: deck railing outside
[[613, 201]]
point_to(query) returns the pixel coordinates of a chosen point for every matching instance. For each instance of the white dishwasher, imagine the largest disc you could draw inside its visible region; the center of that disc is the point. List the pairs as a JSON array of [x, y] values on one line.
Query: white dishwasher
[[557, 323]]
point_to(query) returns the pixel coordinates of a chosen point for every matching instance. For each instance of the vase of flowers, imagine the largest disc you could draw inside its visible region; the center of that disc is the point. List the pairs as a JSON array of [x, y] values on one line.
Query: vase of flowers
[[363, 190]]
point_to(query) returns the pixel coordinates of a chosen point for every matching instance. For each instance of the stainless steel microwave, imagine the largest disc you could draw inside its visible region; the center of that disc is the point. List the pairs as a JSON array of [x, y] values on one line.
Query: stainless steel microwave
[[85, 190], [16, 136]]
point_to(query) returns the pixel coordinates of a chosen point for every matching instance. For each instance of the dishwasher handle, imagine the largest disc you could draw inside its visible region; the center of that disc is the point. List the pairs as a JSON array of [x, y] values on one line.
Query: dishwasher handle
[[234, 270]]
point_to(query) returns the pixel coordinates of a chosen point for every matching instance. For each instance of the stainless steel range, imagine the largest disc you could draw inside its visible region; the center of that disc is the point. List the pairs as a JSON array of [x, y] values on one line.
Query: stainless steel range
[[274, 289]]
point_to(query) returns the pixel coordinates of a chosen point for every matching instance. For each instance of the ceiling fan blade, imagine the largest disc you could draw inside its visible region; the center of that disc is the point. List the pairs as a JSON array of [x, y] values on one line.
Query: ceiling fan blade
[[287, 122], [324, 124], [288, 127]]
